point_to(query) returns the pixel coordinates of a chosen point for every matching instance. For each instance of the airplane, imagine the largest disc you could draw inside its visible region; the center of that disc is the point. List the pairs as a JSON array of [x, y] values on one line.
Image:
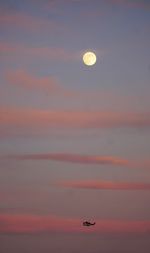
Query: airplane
[[87, 223]]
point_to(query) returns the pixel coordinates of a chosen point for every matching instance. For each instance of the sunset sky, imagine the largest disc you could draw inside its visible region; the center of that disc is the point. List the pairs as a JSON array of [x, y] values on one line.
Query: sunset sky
[[74, 139]]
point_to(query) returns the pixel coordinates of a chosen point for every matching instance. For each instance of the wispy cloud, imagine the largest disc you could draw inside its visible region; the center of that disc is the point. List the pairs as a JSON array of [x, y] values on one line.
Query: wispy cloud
[[53, 5], [47, 53], [22, 78], [132, 3], [88, 159], [72, 119], [50, 85], [35, 224], [75, 158], [32, 224], [104, 185], [15, 19]]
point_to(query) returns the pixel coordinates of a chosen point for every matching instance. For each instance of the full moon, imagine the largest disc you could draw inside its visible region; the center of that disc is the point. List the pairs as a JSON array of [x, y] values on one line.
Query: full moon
[[89, 58]]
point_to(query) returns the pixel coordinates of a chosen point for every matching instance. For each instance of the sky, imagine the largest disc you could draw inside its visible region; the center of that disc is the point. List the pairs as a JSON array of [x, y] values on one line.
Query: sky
[[74, 139]]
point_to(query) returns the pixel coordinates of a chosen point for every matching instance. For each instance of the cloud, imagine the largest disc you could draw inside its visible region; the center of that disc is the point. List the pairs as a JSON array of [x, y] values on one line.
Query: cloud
[[41, 119], [52, 5], [35, 224], [47, 84], [29, 81], [144, 4], [131, 3], [87, 159], [104, 185], [18, 20], [31, 224], [75, 158], [47, 53]]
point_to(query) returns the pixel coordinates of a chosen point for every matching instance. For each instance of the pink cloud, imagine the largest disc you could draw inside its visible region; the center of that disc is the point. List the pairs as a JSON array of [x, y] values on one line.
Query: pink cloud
[[35, 224], [75, 158], [29, 81], [29, 23], [52, 5], [41, 119], [140, 164], [55, 3], [132, 3], [48, 84], [104, 185], [49, 53], [40, 224], [86, 159]]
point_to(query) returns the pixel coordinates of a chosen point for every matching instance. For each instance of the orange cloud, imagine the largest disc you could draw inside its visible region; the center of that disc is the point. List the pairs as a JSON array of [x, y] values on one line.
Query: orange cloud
[[71, 119], [40, 224], [29, 81], [104, 185], [74, 158]]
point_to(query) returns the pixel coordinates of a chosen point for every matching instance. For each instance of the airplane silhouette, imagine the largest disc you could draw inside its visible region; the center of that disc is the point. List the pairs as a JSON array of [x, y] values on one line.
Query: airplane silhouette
[[87, 223]]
